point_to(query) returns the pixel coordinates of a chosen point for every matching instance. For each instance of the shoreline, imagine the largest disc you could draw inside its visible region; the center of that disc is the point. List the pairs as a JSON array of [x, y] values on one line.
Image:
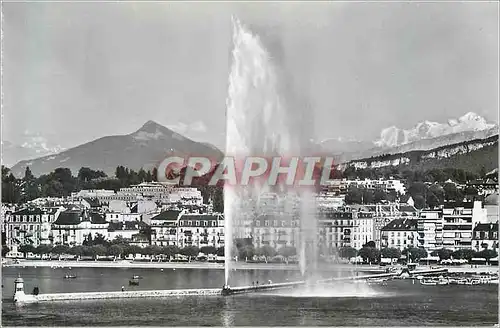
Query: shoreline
[[220, 266]]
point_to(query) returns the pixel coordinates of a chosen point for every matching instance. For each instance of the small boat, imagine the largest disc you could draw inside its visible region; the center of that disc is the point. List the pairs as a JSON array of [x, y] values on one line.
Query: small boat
[[69, 276], [133, 282], [429, 282], [493, 281], [136, 277], [443, 282]]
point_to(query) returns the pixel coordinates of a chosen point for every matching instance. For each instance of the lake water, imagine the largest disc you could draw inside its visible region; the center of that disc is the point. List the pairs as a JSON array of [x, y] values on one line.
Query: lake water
[[397, 303]]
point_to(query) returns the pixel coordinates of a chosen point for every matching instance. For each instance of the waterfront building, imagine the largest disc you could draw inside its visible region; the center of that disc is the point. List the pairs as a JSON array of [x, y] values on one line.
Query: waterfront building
[[382, 214], [275, 231], [485, 236], [458, 222], [164, 226], [400, 233], [491, 207], [74, 226], [29, 226], [201, 230], [430, 229], [125, 230], [350, 227]]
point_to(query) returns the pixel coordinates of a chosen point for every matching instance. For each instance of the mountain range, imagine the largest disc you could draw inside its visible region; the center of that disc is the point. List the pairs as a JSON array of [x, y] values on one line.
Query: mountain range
[[146, 147], [473, 155], [394, 137], [423, 136], [30, 148]]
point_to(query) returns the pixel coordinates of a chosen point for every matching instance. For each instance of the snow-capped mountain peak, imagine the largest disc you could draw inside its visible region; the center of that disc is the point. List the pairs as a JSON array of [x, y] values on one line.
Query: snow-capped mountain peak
[[30, 147], [393, 136]]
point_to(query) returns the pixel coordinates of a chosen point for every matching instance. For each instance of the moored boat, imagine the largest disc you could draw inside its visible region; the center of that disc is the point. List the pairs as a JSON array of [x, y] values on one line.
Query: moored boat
[[428, 282]]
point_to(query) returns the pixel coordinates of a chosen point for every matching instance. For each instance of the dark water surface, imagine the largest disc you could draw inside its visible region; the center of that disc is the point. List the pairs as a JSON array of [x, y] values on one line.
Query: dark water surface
[[397, 303]]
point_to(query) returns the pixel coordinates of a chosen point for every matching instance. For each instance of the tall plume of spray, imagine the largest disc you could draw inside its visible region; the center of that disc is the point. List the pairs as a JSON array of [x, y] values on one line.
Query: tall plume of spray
[[264, 118]]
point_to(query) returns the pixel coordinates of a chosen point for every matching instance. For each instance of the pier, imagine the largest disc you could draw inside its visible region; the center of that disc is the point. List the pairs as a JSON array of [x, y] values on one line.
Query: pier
[[21, 298]]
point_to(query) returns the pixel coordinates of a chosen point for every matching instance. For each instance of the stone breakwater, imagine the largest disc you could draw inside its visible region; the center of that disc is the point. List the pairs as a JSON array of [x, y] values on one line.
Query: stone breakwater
[[128, 294], [25, 299]]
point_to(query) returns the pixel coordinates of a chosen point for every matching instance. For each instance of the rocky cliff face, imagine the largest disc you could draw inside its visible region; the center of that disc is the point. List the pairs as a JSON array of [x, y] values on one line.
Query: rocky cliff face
[[414, 157]]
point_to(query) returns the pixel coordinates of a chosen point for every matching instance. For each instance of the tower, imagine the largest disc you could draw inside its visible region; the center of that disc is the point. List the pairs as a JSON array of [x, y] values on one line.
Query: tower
[[19, 290]]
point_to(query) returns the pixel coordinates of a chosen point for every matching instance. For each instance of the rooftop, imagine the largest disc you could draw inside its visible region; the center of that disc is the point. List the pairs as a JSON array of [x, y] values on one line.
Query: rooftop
[[170, 215], [29, 211], [401, 225], [486, 227]]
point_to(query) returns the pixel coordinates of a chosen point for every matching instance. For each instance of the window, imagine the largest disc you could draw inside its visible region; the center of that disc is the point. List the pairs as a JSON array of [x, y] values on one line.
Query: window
[[257, 223], [283, 223], [266, 223]]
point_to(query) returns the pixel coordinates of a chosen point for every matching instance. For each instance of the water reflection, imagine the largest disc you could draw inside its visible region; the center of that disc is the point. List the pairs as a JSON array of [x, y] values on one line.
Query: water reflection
[[227, 314]]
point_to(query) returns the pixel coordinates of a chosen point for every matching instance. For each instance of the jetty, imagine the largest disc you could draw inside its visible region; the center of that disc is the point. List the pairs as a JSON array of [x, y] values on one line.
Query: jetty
[[227, 290], [21, 298]]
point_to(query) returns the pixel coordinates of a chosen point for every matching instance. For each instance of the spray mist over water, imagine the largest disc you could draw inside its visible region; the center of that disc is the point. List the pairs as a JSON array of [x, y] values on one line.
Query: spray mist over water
[[262, 121], [332, 290]]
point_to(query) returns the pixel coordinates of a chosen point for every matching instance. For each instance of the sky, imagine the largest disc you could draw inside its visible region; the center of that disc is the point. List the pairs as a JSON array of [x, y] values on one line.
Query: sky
[[74, 72]]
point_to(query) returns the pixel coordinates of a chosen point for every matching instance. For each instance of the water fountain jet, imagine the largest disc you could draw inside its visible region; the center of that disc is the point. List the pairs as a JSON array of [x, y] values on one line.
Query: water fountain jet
[[260, 122]]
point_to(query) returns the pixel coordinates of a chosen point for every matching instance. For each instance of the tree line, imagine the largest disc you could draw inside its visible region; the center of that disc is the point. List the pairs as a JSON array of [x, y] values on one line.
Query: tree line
[[61, 183], [423, 195], [117, 247], [373, 255]]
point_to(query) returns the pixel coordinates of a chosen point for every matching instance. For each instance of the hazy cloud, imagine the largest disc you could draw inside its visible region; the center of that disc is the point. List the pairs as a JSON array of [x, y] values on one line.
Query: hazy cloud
[[78, 71]]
